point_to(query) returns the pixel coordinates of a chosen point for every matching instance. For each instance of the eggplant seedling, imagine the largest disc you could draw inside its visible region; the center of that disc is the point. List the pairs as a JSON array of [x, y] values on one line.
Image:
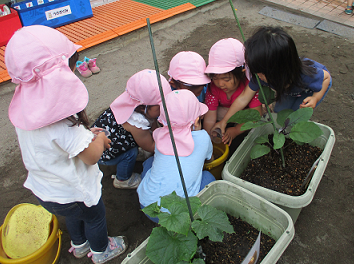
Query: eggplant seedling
[[294, 124]]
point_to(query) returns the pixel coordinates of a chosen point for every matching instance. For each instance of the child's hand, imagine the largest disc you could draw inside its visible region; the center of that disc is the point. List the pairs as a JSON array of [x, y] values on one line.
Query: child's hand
[[96, 130], [221, 124], [227, 138], [105, 139], [310, 101]]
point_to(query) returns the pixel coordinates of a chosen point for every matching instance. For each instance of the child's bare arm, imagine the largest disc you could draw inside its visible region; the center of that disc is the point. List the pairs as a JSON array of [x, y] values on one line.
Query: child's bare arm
[[240, 103], [209, 120], [312, 101], [143, 138], [93, 152]]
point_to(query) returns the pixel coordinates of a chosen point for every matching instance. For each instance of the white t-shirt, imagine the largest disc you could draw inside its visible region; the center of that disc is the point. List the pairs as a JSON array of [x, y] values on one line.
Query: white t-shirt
[[55, 173], [163, 178]]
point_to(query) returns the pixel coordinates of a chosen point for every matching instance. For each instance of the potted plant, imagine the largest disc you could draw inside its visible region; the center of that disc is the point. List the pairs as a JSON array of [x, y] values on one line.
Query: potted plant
[[289, 124], [238, 202]]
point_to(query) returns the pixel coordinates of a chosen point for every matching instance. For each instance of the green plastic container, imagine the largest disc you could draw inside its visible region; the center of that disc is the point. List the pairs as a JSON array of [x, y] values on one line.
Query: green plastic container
[[291, 204], [250, 207]]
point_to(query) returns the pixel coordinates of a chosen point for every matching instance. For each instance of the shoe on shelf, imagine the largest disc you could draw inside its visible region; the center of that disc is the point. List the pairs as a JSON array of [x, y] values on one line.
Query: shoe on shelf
[[81, 250], [143, 154], [349, 10], [92, 65], [83, 69], [116, 246], [132, 183]]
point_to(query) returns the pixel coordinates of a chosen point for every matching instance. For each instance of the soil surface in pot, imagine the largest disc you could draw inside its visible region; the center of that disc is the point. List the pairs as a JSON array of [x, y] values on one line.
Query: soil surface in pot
[[268, 172], [236, 246]]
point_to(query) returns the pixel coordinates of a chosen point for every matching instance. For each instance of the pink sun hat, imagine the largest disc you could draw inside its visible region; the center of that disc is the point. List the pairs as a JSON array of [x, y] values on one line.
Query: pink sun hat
[[188, 67], [225, 55], [183, 109], [142, 89], [36, 58]]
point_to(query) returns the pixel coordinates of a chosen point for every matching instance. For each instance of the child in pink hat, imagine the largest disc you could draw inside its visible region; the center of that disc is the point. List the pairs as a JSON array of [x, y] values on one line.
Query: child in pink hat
[[299, 82], [187, 71], [130, 120], [58, 150], [160, 175], [228, 74]]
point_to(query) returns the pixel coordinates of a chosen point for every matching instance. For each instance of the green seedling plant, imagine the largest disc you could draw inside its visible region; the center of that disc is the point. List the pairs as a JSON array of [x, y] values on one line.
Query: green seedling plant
[[176, 239], [293, 124]]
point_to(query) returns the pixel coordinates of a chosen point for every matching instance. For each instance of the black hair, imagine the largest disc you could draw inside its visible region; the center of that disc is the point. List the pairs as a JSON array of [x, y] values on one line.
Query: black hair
[[272, 51], [80, 119], [191, 88], [238, 73], [73, 59]]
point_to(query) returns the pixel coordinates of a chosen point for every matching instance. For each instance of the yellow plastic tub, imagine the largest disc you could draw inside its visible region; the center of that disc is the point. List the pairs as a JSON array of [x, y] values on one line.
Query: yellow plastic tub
[[220, 152], [47, 254]]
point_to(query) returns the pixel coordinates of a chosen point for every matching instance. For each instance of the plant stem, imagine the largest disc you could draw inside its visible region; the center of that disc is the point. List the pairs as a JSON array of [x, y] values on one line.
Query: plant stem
[[259, 83], [168, 120]]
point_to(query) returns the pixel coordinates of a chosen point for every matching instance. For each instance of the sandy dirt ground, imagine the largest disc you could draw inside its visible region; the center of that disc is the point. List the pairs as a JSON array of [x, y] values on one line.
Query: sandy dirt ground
[[324, 229]]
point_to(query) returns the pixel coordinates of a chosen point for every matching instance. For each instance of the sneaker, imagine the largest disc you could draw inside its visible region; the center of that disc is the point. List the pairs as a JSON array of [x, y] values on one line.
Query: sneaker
[[83, 69], [92, 65], [143, 154], [349, 10], [81, 250], [116, 246], [132, 183]]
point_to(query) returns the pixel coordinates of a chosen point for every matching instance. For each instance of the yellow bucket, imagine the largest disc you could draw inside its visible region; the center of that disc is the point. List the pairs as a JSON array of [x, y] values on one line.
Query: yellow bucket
[[48, 253], [220, 152]]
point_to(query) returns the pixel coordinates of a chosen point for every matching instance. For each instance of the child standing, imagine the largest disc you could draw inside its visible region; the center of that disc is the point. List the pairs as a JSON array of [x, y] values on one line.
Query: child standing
[[160, 174], [186, 71], [58, 150], [272, 55], [227, 71], [130, 120]]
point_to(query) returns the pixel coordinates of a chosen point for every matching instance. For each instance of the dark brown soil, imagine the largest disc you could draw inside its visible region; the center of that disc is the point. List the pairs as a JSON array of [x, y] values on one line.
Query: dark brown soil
[[236, 246], [268, 172]]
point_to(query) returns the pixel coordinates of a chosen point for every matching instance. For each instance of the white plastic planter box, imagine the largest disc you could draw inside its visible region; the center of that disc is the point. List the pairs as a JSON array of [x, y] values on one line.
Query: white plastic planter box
[[250, 207], [291, 204]]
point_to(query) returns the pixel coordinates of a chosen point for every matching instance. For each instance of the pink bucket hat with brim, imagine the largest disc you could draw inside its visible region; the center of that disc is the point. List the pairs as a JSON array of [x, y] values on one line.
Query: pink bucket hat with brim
[[142, 89], [188, 67], [183, 109], [37, 58], [225, 55]]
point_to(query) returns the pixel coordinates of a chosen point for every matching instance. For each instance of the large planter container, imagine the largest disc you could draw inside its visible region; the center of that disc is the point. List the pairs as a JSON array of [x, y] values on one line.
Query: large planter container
[[291, 204], [250, 207]]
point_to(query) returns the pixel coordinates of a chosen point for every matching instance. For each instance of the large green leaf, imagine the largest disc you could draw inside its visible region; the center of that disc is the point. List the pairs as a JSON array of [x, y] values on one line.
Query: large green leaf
[[250, 125], [177, 221], [211, 223], [269, 95], [283, 115], [244, 116], [258, 151], [300, 115], [152, 210], [278, 140], [174, 199], [165, 247], [262, 139], [305, 132]]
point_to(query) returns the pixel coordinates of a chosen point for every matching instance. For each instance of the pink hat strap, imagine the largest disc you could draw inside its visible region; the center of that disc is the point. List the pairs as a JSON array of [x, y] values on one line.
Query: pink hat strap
[[43, 69]]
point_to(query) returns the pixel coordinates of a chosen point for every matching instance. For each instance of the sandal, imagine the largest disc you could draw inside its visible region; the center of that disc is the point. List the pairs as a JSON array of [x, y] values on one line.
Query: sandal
[[349, 10]]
